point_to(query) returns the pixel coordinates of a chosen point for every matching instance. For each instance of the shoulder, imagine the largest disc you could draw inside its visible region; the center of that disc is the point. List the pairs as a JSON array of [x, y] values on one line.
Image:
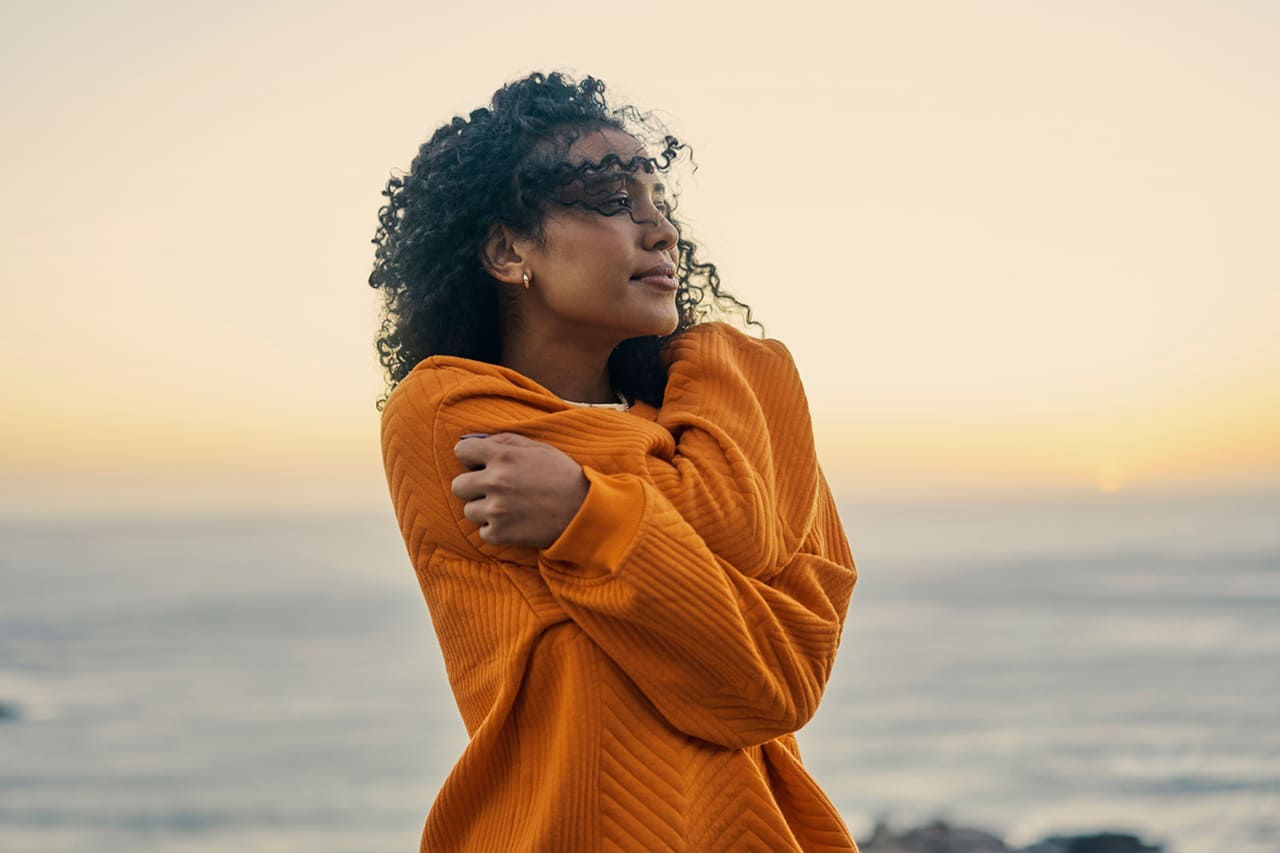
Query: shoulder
[[425, 387], [440, 383], [704, 341], [442, 390]]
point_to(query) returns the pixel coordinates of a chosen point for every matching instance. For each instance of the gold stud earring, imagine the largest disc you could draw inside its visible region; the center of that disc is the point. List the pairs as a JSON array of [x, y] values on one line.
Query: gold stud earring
[[526, 281]]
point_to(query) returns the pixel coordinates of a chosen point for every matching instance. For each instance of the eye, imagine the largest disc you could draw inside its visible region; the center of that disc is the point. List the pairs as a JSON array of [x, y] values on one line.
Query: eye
[[622, 201]]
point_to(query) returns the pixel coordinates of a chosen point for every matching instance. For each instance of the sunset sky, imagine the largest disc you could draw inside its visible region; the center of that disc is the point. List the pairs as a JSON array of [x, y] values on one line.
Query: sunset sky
[[1015, 247]]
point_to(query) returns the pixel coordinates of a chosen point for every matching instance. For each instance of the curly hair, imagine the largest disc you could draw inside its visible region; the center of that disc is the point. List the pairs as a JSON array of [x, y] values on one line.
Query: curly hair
[[504, 165]]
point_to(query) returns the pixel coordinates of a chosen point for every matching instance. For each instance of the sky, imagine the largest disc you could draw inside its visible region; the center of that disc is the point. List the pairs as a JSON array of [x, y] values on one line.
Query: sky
[[1014, 247]]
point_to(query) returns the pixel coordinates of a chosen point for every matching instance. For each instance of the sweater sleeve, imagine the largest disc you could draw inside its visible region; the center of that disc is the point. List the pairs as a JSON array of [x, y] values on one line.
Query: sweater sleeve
[[707, 560], [723, 656], [731, 449]]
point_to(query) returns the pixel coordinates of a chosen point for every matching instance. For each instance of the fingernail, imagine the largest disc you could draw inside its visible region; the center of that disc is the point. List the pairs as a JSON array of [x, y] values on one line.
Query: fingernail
[[475, 435]]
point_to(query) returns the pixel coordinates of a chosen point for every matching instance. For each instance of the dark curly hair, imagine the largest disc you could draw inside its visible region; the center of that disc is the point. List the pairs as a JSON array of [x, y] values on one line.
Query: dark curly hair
[[505, 165]]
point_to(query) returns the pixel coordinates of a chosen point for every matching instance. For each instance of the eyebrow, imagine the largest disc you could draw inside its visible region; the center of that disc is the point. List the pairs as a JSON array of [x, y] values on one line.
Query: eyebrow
[[626, 177]]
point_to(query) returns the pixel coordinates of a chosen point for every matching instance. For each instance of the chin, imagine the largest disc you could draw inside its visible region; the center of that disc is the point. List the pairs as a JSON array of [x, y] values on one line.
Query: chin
[[666, 326], [660, 322]]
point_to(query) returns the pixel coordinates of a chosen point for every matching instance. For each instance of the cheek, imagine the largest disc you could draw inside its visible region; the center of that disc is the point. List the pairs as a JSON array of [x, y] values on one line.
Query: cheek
[[590, 254], [602, 254]]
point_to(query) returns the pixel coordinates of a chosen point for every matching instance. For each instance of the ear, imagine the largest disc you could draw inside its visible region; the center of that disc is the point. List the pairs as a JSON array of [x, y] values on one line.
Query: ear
[[503, 256]]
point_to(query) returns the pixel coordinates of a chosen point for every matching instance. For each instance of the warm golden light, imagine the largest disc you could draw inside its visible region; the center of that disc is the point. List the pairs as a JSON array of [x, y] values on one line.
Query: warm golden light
[[1110, 478], [997, 265]]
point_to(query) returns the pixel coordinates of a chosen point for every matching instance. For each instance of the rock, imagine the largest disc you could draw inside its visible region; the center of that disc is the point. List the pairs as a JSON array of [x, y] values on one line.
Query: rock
[[939, 837], [936, 837], [1105, 842]]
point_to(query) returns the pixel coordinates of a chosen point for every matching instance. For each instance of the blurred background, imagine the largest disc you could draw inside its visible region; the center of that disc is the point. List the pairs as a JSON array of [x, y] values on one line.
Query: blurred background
[[1023, 253]]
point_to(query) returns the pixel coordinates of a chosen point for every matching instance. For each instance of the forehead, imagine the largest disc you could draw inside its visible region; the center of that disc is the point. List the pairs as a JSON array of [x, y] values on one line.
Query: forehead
[[595, 144]]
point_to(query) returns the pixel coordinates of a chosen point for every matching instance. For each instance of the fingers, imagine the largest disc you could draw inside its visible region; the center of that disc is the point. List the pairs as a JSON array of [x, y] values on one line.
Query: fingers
[[481, 488], [468, 486], [470, 450], [476, 508], [474, 449], [474, 512], [487, 515]]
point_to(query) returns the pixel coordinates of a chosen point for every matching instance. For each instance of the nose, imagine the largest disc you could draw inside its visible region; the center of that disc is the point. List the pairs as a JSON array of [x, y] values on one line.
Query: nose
[[660, 233]]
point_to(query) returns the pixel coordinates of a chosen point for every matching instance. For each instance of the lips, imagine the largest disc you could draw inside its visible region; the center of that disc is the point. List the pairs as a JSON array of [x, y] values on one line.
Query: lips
[[662, 275], [668, 269]]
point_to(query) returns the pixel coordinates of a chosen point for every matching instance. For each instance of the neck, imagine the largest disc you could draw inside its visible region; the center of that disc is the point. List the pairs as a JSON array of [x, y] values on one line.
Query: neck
[[569, 370]]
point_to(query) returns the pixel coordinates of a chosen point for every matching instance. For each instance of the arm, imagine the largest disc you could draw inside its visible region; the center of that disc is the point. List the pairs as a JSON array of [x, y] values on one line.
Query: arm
[[744, 473], [745, 655], [732, 448], [723, 656]]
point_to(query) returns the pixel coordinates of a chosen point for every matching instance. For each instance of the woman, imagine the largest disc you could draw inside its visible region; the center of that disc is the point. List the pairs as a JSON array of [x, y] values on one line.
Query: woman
[[631, 557]]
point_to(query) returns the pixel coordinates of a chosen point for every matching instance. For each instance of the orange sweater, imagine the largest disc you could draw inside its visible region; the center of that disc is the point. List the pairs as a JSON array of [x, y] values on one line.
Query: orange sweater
[[636, 684]]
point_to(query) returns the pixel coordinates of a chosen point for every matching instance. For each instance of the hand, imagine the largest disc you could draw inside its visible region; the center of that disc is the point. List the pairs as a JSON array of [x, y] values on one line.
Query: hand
[[524, 493]]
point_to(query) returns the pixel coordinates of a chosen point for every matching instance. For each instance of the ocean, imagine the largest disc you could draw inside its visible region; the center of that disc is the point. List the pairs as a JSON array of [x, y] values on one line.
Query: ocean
[[1106, 662]]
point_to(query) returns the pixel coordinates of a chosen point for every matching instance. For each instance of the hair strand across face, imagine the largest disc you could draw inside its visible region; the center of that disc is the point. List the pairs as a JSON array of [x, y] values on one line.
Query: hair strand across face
[[507, 164]]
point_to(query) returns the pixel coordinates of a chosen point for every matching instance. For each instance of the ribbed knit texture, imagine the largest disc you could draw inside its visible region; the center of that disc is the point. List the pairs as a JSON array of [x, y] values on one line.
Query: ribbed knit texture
[[635, 685]]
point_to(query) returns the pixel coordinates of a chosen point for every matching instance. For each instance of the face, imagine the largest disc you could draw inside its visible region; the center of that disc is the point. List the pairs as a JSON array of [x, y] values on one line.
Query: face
[[589, 274]]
